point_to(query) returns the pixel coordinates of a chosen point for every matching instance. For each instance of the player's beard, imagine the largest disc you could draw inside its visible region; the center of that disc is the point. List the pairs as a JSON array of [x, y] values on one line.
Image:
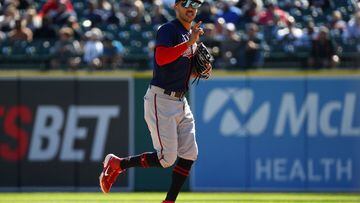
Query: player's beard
[[188, 16]]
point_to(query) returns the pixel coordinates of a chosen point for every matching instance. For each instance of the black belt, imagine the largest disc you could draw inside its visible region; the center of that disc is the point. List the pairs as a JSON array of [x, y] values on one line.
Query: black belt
[[171, 93], [175, 94]]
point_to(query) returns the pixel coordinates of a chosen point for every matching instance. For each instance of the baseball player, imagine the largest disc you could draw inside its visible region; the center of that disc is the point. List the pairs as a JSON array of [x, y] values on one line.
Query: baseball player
[[167, 113]]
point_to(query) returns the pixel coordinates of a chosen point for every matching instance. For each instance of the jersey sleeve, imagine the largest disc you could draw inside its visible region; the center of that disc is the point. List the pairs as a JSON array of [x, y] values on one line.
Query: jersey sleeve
[[166, 35]]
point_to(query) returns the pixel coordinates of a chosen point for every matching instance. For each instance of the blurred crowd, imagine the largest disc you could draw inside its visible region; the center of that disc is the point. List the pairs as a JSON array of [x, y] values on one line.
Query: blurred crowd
[[240, 33]]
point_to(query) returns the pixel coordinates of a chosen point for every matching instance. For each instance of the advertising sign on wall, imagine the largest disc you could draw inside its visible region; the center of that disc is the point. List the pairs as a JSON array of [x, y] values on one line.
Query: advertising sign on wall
[[280, 133], [56, 132]]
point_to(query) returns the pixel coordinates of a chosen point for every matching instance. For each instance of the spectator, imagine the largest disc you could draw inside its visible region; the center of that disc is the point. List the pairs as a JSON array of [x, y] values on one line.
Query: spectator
[[126, 6], [62, 14], [290, 37], [323, 51], [272, 14], [209, 38], [21, 32], [18, 4], [352, 31], [293, 5], [251, 9], [209, 31], [74, 25], [229, 47], [66, 51], [323, 4], [113, 53], [2, 36], [31, 21], [168, 3], [93, 48], [229, 12], [206, 13], [210, 34], [51, 7], [337, 25], [133, 10], [103, 9], [253, 47], [309, 33], [91, 14], [46, 30], [271, 31], [220, 29], [158, 14], [7, 20], [23, 4], [150, 2], [6, 3], [137, 13], [116, 17], [276, 24]]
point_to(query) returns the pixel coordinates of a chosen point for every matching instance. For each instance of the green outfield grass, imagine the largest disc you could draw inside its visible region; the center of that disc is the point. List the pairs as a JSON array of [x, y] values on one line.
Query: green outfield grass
[[190, 197]]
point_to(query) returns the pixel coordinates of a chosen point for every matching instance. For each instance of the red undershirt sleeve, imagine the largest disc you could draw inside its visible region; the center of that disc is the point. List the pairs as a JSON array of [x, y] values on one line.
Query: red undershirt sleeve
[[165, 55]]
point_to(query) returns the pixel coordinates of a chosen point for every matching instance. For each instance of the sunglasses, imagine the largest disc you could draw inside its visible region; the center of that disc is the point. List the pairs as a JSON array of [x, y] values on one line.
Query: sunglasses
[[192, 3]]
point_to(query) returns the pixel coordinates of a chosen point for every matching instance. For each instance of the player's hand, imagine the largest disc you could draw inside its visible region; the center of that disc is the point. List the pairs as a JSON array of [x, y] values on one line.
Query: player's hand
[[208, 69], [196, 31]]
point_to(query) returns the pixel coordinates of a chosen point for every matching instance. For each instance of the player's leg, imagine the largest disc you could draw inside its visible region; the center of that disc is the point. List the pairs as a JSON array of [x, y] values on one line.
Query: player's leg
[[155, 124], [160, 116], [179, 175], [113, 166], [111, 170], [187, 153], [161, 121]]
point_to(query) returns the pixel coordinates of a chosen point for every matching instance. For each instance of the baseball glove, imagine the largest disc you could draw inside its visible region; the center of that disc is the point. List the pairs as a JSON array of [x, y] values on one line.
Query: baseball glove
[[202, 59]]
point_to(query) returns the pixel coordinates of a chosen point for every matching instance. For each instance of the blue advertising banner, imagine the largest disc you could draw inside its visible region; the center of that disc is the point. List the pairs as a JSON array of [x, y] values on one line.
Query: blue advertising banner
[[277, 133]]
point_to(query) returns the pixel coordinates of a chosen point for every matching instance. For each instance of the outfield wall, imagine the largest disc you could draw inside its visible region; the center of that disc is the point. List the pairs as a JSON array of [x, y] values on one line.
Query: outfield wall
[[257, 131], [56, 131], [297, 133]]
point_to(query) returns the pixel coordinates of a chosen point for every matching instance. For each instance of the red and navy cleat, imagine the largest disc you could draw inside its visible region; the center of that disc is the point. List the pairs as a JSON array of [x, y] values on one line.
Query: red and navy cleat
[[167, 201], [110, 172]]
